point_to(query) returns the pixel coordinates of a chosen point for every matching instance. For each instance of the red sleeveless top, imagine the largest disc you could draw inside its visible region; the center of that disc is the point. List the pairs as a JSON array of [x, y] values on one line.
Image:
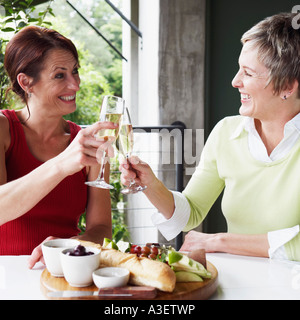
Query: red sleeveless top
[[55, 215]]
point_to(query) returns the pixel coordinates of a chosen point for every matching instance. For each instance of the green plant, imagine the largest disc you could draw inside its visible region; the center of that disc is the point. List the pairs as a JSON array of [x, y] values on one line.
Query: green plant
[[119, 227], [3, 79], [18, 14]]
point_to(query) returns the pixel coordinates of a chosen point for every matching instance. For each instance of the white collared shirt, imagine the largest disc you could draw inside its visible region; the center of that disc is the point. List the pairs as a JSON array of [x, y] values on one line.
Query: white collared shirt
[[257, 147], [277, 239]]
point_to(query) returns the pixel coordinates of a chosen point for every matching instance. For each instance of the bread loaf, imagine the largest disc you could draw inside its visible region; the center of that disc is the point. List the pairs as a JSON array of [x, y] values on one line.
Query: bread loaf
[[143, 271]]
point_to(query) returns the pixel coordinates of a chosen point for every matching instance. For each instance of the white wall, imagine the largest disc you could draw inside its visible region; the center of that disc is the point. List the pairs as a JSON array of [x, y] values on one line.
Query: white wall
[[148, 63], [140, 90], [140, 73]]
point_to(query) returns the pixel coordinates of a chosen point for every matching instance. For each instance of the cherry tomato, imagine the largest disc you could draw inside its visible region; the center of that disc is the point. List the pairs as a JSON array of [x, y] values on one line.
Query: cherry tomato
[[137, 250], [146, 250], [152, 256], [154, 250], [132, 248]]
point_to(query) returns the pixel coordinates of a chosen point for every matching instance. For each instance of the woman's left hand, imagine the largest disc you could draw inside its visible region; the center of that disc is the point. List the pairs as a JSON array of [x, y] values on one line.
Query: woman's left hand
[[37, 254], [197, 240], [256, 245]]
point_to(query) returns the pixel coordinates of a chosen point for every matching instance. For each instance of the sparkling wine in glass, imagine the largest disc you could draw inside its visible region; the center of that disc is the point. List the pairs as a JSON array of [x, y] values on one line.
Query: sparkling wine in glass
[[112, 110], [126, 147]]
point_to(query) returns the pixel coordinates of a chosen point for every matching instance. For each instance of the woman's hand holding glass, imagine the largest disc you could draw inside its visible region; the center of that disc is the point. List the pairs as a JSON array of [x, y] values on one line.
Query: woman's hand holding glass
[[134, 169], [83, 150]]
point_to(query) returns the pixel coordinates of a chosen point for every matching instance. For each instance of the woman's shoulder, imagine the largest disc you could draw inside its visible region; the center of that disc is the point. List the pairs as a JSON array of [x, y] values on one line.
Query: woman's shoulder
[[228, 125], [4, 131], [231, 121], [4, 123]]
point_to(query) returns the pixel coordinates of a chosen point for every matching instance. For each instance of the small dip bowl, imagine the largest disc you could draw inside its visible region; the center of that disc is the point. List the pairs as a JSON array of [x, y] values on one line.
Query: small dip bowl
[[110, 277]]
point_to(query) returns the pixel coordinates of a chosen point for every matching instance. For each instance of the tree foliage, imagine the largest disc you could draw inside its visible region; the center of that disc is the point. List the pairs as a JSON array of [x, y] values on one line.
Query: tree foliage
[[16, 15]]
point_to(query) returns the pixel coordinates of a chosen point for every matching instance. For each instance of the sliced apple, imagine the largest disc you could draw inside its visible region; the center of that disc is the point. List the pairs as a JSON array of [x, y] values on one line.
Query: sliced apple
[[181, 262], [108, 243], [185, 276]]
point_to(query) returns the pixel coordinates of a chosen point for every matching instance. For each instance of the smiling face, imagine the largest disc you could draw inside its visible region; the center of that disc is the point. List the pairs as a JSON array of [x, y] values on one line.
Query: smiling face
[[257, 95], [55, 91]]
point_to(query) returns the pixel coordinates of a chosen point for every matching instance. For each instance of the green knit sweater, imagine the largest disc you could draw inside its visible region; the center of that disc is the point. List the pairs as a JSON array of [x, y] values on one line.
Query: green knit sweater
[[258, 197]]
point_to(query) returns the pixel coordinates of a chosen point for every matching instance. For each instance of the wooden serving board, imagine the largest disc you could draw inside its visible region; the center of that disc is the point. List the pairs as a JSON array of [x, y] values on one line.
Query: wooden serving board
[[183, 291]]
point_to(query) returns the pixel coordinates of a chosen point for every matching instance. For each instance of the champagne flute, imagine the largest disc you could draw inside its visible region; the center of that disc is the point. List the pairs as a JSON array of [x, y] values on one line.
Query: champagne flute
[[126, 146], [112, 110]]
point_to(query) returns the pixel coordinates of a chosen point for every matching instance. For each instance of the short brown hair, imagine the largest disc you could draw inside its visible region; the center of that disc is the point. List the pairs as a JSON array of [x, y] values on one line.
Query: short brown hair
[[278, 46], [26, 52]]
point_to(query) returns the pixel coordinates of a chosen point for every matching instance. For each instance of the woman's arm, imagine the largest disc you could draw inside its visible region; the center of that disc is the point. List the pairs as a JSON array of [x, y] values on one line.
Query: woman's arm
[[19, 196], [242, 244]]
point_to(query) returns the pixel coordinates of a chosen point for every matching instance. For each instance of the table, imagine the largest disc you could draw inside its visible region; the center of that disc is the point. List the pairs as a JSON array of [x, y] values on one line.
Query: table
[[240, 278], [251, 278]]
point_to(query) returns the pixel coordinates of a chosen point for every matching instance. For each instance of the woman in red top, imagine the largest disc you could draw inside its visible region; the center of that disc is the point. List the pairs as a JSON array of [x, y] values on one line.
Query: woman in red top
[[44, 159]]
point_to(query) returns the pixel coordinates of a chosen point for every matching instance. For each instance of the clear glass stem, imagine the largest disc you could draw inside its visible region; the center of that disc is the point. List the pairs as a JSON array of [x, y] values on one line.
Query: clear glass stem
[[100, 182]]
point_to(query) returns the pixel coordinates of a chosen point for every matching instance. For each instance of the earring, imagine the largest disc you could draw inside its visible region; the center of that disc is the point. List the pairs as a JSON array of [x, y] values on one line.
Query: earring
[[29, 95], [288, 94]]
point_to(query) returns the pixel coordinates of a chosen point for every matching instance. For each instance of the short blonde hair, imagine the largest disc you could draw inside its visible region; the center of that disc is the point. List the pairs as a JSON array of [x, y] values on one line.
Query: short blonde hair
[[278, 46]]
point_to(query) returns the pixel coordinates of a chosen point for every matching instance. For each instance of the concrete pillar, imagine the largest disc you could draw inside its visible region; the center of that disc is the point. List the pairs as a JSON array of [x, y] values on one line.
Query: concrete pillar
[[181, 69]]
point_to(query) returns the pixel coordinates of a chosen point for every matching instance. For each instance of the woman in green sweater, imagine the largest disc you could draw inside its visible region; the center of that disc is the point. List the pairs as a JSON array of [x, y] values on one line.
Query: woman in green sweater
[[253, 157]]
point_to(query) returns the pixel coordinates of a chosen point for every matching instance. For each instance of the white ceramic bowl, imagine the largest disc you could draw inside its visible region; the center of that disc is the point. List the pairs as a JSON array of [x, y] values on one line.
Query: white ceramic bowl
[[51, 251], [78, 270], [110, 277]]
